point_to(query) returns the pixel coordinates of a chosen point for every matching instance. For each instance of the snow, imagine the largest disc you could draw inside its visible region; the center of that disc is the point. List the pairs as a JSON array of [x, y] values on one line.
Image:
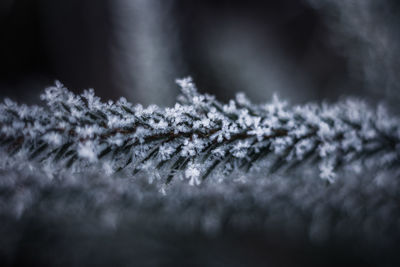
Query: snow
[[165, 151], [327, 172], [192, 173], [52, 138], [87, 151]]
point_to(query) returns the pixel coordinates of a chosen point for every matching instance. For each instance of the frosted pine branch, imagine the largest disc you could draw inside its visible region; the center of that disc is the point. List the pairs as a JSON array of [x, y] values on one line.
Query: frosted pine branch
[[198, 137]]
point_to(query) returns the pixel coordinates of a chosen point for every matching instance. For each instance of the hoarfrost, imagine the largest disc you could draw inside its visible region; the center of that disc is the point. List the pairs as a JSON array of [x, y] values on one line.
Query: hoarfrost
[[223, 137]]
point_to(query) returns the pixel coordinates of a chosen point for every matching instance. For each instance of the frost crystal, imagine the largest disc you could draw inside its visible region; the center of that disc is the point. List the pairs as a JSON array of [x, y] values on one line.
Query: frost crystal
[[193, 173], [240, 149], [78, 131], [52, 138], [327, 173], [86, 151], [166, 152]]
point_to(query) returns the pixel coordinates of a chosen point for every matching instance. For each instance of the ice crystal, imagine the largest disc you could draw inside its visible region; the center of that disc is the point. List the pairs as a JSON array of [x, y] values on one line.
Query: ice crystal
[[192, 172], [79, 131], [86, 151], [327, 172]]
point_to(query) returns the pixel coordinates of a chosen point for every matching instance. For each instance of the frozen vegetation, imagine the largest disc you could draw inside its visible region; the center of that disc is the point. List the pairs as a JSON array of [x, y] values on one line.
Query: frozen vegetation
[[311, 179], [198, 138]]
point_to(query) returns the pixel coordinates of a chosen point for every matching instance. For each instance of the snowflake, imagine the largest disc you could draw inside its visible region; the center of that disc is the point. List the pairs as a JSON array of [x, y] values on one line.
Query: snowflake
[[53, 138], [327, 171], [192, 173], [260, 132], [93, 101], [240, 149], [165, 151], [187, 86], [188, 149], [88, 131], [87, 151]]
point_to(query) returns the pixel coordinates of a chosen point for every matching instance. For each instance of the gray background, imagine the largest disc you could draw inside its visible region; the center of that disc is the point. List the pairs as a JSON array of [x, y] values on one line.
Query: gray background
[[302, 50]]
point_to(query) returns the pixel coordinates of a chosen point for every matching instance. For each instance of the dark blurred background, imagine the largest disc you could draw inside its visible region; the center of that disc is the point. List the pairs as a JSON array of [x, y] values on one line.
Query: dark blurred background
[[304, 50]]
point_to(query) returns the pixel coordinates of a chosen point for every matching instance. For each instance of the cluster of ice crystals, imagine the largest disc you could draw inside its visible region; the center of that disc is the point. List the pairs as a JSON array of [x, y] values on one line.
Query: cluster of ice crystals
[[327, 171], [166, 151], [78, 130], [192, 173], [240, 149], [189, 148], [93, 101], [87, 151], [53, 138], [188, 87]]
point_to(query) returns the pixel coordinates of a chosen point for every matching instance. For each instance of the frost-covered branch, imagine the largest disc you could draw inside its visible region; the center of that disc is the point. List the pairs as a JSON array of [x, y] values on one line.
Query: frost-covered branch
[[197, 138]]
